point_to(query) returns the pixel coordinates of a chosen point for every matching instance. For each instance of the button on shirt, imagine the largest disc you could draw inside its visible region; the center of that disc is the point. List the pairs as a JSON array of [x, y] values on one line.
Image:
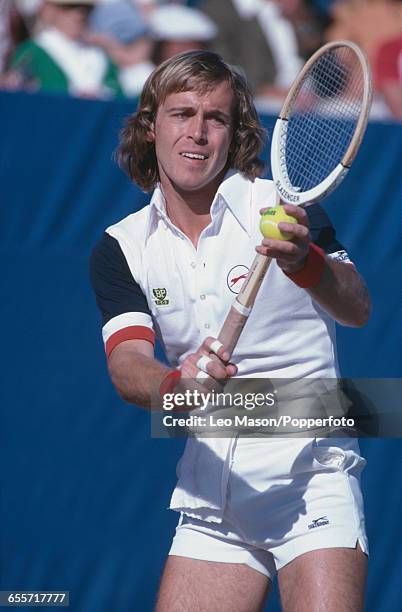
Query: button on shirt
[[150, 280]]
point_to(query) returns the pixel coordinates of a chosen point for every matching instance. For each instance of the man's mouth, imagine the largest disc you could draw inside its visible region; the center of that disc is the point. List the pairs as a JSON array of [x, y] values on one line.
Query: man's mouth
[[189, 155]]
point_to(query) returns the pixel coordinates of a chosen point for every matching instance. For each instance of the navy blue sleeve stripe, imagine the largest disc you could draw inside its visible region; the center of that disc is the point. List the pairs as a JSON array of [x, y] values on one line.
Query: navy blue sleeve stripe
[[115, 288], [321, 229]]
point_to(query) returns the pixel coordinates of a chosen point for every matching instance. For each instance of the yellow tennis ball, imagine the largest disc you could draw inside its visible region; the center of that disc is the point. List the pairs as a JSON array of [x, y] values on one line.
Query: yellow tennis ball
[[269, 223]]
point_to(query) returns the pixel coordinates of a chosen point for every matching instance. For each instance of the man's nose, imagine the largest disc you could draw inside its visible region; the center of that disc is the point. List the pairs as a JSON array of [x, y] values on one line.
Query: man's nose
[[198, 128]]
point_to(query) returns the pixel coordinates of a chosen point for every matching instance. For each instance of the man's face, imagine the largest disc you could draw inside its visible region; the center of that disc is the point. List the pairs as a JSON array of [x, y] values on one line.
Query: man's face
[[192, 135]]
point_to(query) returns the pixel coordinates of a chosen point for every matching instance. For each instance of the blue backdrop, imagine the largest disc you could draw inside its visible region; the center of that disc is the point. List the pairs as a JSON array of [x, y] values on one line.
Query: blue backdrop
[[83, 486]]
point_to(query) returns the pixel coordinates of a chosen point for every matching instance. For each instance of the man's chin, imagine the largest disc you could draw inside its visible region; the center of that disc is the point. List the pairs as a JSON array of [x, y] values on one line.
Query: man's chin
[[193, 185]]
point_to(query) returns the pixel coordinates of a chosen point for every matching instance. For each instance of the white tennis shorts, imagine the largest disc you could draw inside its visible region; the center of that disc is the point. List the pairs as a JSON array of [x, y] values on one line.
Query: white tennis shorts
[[285, 497]]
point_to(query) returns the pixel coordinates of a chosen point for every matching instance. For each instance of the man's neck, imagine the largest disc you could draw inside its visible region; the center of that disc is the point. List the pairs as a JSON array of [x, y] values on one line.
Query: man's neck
[[189, 211]]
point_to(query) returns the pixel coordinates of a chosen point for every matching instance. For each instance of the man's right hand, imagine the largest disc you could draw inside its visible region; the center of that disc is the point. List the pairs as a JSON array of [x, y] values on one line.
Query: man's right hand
[[205, 370], [209, 364]]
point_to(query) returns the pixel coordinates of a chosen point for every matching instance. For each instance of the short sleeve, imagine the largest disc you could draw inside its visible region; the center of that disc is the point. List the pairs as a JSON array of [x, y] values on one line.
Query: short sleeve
[[121, 301], [323, 233]]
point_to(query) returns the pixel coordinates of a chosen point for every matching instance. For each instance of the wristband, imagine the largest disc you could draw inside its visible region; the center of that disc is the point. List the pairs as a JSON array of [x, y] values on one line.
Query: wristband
[[310, 275], [169, 382]]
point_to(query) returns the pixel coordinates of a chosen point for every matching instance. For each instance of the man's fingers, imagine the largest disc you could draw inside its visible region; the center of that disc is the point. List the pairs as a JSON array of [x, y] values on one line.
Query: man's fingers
[[213, 345], [202, 376], [206, 366], [297, 212], [203, 362], [217, 369], [216, 346], [211, 360], [284, 248], [278, 248], [210, 365], [189, 367], [231, 369], [296, 230]]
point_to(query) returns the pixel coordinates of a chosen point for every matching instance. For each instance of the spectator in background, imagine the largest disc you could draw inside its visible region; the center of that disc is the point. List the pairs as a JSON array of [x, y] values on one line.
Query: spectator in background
[[309, 23], [241, 41], [12, 29], [57, 59], [6, 38], [369, 23], [119, 28], [256, 36], [137, 42], [177, 28], [28, 10], [388, 74]]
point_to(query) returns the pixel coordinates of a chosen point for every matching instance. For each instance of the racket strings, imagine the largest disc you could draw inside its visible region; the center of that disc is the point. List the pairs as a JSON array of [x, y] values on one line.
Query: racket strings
[[322, 120]]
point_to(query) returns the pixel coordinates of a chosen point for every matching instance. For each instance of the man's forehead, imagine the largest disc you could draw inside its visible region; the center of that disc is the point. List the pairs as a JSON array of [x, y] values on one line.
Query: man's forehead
[[218, 96]]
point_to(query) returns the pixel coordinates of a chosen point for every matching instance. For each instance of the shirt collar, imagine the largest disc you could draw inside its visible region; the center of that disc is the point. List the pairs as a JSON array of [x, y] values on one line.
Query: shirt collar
[[234, 193], [157, 209]]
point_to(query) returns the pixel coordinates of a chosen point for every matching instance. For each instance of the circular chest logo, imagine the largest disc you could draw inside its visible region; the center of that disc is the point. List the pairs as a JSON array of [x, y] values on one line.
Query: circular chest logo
[[236, 277]]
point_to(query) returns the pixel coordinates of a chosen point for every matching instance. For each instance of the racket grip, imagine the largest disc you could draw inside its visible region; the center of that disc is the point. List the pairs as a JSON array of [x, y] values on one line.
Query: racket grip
[[232, 328]]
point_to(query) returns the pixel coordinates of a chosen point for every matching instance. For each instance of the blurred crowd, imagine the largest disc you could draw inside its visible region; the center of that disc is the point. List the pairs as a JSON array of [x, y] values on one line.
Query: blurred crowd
[[107, 48]]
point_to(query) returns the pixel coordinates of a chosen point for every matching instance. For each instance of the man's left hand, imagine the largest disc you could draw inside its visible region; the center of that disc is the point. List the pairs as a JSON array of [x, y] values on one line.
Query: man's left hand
[[289, 254]]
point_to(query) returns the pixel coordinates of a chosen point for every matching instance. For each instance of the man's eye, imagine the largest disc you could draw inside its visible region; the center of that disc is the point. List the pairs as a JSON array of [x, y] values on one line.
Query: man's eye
[[218, 120]]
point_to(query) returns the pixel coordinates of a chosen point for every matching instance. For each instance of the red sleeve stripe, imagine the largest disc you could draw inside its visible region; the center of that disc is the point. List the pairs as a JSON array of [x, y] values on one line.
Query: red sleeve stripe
[[134, 332]]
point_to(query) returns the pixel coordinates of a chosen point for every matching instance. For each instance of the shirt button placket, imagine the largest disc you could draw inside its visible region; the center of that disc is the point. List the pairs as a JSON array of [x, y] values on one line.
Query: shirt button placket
[[203, 309]]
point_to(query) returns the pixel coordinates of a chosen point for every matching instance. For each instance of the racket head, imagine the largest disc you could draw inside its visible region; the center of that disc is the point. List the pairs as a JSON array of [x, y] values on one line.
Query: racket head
[[321, 124]]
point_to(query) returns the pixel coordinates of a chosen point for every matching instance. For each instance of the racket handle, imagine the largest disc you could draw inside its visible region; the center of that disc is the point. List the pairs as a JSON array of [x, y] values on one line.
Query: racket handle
[[232, 328], [241, 308]]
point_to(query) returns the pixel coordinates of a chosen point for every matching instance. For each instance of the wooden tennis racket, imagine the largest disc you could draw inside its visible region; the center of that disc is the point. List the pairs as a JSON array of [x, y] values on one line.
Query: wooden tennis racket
[[315, 140]]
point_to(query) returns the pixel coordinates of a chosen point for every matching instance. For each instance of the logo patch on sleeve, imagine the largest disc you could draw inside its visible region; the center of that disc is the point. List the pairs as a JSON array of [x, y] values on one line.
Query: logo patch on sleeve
[[339, 256], [160, 296]]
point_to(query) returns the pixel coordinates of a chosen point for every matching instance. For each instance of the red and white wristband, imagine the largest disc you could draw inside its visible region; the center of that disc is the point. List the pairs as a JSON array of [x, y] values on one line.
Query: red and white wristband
[[310, 275]]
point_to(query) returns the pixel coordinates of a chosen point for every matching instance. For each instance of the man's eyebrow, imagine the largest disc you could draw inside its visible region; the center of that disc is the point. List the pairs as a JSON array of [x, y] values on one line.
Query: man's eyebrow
[[213, 112], [173, 109]]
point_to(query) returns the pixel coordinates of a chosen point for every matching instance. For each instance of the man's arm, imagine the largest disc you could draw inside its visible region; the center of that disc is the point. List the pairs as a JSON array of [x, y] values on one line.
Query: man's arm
[[343, 294], [129, 336], [341, 291], [137, 375]]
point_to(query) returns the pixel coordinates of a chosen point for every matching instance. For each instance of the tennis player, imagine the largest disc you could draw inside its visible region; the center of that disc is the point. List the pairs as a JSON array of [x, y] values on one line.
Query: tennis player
[[249, 507]]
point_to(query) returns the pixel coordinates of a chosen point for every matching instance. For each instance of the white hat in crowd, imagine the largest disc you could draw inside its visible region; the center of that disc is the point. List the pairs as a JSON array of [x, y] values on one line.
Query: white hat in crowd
[[175, 22]]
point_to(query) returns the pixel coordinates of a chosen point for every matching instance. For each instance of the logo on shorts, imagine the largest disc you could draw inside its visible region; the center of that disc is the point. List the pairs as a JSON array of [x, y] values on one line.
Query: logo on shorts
[[160, 296], [319, 522], [236, 278]]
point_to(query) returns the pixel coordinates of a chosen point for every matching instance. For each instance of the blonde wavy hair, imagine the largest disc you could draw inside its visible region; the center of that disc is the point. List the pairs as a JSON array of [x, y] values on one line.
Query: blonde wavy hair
[[198, 71]]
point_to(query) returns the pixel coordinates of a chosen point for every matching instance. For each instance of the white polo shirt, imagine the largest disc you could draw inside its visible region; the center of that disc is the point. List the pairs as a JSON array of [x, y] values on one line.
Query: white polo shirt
[[150, 280]]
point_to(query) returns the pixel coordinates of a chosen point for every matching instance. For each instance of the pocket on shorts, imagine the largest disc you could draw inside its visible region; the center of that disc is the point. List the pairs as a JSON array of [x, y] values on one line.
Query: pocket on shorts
[[337, 454]]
